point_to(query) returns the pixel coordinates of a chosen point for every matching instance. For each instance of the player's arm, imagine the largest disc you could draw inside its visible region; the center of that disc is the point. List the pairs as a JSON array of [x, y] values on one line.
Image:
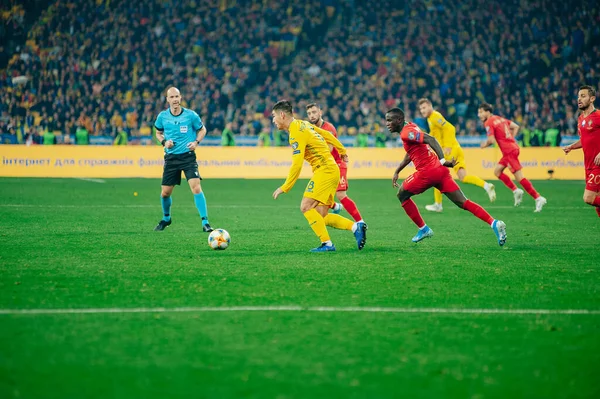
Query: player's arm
[[332, 140], [403, 164], [435, 146], [490, 137], [200, 130], [160, 133], [447, 132], [514, 128], [448, 136], [297, 162], [575, 146]]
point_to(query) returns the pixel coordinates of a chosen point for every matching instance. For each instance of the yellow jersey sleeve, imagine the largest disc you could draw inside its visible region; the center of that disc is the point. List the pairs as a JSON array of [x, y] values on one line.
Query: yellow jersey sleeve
[[298, 141], [331, 139]]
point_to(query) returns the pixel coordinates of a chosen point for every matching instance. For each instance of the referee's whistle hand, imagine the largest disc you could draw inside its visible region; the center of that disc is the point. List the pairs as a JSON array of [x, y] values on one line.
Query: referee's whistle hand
[[169, 144]]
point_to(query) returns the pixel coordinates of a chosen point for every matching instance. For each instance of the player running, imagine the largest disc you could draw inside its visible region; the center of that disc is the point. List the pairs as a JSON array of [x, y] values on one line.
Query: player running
[[503, 132], [311, 143], [431, 171], [315, 116], [180, 131], [445, 133], [588, 126]]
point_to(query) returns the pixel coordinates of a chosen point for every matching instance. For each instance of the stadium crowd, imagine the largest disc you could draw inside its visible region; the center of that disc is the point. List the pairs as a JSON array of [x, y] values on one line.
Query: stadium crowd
[[102, 67]]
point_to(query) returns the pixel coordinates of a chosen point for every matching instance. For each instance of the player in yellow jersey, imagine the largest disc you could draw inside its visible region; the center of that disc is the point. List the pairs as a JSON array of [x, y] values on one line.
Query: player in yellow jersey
[[311, 143], [445, 134]]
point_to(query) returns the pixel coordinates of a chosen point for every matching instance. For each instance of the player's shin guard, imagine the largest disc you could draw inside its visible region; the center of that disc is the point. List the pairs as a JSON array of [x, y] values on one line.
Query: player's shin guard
[[351, 208], [166, 206], [200, 201], [437, 196], [338, 222], [475, 180], [413, 212], [526, 184], [507, 182], [317, 224], [478, 211]]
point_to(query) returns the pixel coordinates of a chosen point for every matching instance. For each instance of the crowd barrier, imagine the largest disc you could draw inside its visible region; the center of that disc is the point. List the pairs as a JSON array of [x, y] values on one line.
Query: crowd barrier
[[254, 162]]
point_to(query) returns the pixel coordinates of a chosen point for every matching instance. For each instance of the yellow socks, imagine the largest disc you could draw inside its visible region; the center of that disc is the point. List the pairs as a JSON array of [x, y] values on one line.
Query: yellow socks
[[338, 222], [437, 196], [471, 179], [317, 224]]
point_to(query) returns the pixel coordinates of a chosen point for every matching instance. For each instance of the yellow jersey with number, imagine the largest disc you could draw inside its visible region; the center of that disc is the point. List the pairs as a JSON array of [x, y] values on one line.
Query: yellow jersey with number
[[310, 143]]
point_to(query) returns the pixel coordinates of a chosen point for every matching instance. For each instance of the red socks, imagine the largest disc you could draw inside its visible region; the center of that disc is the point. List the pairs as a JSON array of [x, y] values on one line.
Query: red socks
[[413, 212], [596, 202], [351, 208], [526, 184], [507, 182], [477, 210]]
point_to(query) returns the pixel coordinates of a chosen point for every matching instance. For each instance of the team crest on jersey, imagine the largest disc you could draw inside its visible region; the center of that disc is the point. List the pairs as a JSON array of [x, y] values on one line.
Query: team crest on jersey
[[183, 129], [411, 135]]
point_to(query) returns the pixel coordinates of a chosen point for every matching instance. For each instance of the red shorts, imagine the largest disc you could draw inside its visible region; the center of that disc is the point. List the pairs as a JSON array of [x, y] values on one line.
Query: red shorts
[[422, 180], [343, 186], [592, 180], [511, 160]]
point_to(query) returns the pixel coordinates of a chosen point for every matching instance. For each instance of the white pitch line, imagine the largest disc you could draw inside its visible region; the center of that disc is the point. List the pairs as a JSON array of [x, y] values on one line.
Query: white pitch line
[[325, 309], [90, 179]]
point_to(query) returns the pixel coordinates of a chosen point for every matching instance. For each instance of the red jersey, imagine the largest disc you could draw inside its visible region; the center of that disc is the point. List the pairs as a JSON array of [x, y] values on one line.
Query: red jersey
[[589, 131], [499, 128], [331, 129], [421, 155]]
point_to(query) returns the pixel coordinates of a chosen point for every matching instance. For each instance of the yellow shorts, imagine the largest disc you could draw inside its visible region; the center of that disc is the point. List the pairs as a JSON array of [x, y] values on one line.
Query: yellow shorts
[[458, 154], [323, 186]]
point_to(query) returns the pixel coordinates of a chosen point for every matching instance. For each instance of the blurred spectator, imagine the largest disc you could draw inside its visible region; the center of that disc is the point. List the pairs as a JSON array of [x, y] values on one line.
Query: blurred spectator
[[228, 138], [82, 135], [552, 137]]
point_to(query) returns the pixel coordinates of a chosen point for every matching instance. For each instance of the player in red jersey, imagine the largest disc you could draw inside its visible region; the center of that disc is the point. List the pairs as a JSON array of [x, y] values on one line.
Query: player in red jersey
[[315, 116], [503, 132], [431, 171], [588, 126]]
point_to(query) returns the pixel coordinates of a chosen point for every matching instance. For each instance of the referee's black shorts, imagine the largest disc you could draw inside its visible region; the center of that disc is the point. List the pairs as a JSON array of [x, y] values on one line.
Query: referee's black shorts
[[177, 163]]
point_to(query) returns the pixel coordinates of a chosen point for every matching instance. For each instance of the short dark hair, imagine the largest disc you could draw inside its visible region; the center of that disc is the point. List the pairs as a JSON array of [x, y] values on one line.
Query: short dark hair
[[285, 106], [424, 101], [310, 105], [396, 111], [590, 90], [486, 107]]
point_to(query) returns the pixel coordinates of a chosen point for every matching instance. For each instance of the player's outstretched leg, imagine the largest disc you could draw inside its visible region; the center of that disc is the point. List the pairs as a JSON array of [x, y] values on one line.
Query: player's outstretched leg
[[517, 192], [314, 214], [526, 184], [166, 202], [437, 202], [592, 198], [498, 226], [412, 211], [477, 181], [341, 223]]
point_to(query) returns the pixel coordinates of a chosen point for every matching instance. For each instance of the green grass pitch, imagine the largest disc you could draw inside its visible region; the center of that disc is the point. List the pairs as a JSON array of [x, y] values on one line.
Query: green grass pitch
[[83, 244]]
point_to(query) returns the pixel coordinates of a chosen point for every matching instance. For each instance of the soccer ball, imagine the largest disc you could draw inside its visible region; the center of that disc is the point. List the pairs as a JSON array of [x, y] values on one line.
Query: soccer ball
[[219, 239]]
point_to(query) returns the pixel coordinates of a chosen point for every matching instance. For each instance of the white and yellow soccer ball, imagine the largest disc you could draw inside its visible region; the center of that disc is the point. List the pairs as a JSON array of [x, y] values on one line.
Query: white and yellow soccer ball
[[219, 239]]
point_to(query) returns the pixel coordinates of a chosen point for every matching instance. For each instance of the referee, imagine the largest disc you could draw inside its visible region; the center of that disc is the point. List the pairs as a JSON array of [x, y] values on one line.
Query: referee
[[180, 131]]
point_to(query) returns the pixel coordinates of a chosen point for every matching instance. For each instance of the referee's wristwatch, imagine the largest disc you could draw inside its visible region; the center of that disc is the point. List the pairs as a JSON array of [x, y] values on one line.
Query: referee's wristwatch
[[197, 142]]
